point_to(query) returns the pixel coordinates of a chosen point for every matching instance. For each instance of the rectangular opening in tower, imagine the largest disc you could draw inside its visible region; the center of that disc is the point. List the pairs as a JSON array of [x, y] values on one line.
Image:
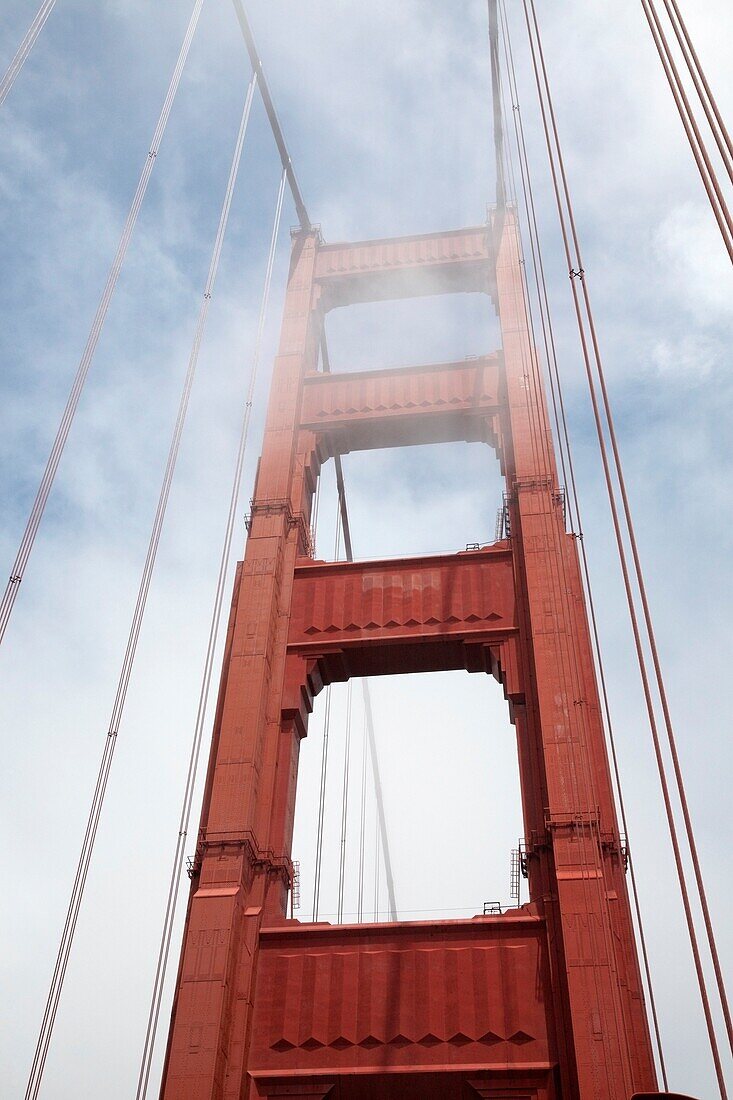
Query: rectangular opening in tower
[[434, 329], [413, 500], [450, 781]]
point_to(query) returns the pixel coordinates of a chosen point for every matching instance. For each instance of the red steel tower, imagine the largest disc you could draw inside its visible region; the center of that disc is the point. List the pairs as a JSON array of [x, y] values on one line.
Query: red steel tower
[[544, 1001]]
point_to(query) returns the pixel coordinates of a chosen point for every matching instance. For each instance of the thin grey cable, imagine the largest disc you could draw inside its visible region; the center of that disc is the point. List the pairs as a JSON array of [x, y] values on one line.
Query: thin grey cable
[[343, 511], [25, 48], [345, 803], [173, 888], [362, 820], [553, 369], [324, 764], [36, 514], [321, 803], [77, 893], [377, 851]]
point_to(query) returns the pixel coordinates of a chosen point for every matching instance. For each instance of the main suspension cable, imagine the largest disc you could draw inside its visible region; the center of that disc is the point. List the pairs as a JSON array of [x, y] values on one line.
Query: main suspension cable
[[123, 683], [639, 574], [568, 664], [559, 410], [185, 816], [25, 48], [694, 137], [705, 95], [272, 118], [578, 275], [36, 514], [709, 104]]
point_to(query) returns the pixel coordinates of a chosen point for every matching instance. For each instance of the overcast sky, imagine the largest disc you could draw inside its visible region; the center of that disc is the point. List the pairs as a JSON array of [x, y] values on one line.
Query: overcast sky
[[386, 108]]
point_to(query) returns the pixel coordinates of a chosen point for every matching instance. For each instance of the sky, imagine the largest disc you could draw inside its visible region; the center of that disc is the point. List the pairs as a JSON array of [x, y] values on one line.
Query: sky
[[386, 109]]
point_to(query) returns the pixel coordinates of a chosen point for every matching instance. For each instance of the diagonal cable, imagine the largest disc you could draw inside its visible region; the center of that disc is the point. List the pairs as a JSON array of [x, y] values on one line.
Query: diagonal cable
[[573, 257], [563, 435], [177, 866], [39, 504], [343, 511], [25, 48], [77, 893]]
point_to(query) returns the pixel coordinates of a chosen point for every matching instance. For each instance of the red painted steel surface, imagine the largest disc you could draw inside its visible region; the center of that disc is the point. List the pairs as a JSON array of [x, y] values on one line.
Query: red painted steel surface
[[405, 267], [545, 1002], [412, 997], [439, 403]]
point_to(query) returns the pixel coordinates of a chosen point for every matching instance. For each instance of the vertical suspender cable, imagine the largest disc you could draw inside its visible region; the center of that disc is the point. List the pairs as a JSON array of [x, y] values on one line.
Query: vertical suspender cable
[[581, 778], [362, 823], [541, 456], [709, 104], [345, 802], [578, 274], [324, 765], [25, 48], [697, 145], [36, 514], [553, 368], [123, 683], [377, 853], [321, 804], [546, 320], [496, 103], [574, 275], [639, 574], [707, 100], [381, 818], [179, 854]]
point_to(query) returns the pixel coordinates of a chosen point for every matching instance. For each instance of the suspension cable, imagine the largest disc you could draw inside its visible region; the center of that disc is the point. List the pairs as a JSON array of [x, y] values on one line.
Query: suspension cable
[[324, 764], [314, 515], [578, 275], [697, 145], [581, 775], [705, 95], [569, 668], [25, 48], [123, 683], [559, 410], [496, 103], [377, 851], [36, 514], [345, 802], [269, 106], [722, 137], [366, 693], [321, 803], [362, 821], [179, 853], [648, 621]]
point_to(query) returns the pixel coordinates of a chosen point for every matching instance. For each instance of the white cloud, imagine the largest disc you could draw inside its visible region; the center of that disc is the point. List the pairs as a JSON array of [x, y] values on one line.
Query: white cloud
[[688, 245], [386, 108]]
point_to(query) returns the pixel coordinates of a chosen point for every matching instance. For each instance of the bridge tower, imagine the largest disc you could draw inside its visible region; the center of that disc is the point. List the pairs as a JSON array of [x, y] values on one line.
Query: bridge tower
[[544, 1001]]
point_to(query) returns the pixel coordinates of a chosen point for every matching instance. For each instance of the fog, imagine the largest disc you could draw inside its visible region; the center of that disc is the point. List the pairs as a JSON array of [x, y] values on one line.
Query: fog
[[386, 108]]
